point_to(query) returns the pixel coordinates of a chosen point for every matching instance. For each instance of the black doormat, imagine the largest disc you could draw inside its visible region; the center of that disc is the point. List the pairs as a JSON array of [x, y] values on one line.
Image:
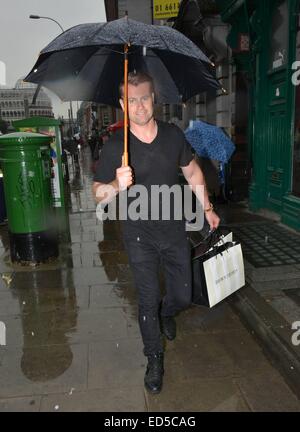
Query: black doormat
[[268, 244]]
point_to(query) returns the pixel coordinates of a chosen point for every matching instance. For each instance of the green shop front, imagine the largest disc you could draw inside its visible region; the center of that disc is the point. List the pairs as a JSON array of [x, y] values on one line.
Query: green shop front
[[271, 29]]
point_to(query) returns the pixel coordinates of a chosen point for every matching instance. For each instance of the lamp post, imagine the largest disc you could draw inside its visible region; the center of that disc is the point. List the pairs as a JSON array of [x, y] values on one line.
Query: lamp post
[[59, 195], [51, 19], [62, 30]]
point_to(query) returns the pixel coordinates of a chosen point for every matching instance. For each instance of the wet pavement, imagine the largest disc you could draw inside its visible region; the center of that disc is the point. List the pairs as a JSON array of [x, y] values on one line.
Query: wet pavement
[[73, 343]]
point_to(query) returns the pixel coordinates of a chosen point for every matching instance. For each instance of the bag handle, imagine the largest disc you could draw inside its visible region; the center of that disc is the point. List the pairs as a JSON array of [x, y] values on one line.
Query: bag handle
[[210, 236]]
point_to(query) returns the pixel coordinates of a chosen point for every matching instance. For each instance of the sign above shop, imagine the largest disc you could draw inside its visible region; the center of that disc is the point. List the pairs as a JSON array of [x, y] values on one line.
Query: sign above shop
[[164, 9]]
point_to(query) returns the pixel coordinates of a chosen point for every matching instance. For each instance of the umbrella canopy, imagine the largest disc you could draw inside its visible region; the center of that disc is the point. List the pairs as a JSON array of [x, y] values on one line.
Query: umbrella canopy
[[86, 62], [209, 141]]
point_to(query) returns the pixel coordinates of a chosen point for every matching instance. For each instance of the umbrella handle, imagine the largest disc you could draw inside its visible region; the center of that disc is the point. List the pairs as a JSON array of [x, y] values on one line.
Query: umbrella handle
[[125, 155], [125, 159]]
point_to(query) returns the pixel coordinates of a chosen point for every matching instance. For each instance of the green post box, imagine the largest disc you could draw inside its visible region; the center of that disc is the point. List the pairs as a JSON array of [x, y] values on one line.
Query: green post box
[[51, 127], [25, 160]]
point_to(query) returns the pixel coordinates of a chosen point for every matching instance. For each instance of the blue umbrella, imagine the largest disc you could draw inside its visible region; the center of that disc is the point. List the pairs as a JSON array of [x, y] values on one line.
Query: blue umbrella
[[209, 141]]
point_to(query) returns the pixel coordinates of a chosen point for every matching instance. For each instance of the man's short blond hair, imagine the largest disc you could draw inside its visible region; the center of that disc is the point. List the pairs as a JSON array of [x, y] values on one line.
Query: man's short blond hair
[[135, 79]]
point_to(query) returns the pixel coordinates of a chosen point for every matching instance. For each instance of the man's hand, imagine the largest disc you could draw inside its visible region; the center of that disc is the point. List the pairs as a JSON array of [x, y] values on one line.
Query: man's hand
[[124, 177], [213, 219]]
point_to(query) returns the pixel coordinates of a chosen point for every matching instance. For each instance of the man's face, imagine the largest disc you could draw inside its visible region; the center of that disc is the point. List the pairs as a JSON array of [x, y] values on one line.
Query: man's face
[[140, 103]]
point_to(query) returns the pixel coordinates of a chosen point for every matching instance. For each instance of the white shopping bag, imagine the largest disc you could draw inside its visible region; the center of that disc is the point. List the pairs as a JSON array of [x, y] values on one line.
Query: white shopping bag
[[225, 239], [224, 274]]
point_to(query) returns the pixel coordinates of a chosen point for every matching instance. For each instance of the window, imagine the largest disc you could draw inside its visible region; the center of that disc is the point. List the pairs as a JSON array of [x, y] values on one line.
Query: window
[[178, 111], [279, 35]]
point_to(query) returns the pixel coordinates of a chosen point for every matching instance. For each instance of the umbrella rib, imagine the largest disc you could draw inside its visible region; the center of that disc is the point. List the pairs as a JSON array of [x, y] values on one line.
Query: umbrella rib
[[166, 45]]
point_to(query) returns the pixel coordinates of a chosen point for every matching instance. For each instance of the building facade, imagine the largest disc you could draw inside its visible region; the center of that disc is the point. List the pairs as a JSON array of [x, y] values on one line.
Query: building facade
[[268, 61], [94, 117], [201, 22], [16, 103]]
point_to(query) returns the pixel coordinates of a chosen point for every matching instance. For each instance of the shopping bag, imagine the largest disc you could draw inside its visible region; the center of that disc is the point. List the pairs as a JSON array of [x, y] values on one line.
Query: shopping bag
[[215, 237], [217, 274], [228, 238]]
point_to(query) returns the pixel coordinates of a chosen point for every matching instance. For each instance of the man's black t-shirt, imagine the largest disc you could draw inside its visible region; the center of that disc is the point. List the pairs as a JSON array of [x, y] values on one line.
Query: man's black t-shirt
[[156, 163]]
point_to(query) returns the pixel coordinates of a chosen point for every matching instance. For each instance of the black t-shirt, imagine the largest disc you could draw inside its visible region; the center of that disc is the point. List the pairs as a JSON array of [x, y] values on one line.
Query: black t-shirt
[[156, 163]]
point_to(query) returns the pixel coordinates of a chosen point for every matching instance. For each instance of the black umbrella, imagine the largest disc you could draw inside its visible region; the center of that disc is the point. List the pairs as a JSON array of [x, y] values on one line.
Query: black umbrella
[[86, 62]]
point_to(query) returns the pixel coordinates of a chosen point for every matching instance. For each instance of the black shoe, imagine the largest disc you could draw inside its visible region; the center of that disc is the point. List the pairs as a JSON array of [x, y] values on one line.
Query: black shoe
[[154, 374], [168, 327]]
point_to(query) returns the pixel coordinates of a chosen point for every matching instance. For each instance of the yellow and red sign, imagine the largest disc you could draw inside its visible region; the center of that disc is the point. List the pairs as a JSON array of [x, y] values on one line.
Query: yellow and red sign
[[163, 9]]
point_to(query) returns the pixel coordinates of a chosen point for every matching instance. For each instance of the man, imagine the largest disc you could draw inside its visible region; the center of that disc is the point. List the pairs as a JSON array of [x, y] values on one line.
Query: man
[[157, 149]]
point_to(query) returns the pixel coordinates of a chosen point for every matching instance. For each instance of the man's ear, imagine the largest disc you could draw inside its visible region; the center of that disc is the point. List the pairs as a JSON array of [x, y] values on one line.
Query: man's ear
[[121, 103]]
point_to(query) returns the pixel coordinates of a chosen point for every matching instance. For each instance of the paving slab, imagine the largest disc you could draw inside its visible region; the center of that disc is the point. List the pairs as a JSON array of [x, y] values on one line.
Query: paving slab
[[43, 369], [104, 324], [128, 399], [267, 392], [198, 395], [116, 364], [202, 356], [200, 319], [25, 404], [112, 295]]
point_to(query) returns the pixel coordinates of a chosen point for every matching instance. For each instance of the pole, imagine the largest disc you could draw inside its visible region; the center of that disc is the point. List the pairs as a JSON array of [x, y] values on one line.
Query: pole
[[48, 18], [125, 155], [71, 118], [152, 12]]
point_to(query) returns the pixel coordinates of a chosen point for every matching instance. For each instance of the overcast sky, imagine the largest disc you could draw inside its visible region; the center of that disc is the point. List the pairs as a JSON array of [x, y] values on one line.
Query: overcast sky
[[21, 38]]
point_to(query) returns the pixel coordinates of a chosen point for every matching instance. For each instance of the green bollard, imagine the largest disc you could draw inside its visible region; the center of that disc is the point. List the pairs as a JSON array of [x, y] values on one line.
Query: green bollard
[[25, 160]]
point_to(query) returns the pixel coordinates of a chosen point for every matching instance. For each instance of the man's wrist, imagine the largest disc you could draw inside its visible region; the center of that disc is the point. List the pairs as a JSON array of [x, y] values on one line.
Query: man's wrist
[[209, 207], [115, 185]]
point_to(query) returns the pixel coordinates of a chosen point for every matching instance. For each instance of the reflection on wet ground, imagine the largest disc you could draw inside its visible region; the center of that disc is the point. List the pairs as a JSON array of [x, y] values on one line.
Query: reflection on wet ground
[[73, 342]]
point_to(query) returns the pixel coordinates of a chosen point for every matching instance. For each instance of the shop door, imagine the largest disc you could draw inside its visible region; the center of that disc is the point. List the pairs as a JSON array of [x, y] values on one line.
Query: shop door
[[276, 149], [277, 137]]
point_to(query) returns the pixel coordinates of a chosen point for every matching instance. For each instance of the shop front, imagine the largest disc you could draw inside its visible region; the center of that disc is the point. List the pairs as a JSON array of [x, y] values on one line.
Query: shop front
[[273, 29]]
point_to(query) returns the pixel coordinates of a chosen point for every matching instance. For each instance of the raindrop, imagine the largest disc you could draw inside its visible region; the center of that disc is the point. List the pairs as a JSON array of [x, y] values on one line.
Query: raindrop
[[56, 407], [35, 70], [266, 239], [32, 333]]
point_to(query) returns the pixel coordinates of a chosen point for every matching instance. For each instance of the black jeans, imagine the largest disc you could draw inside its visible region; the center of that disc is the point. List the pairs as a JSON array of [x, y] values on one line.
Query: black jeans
[[148, 245]]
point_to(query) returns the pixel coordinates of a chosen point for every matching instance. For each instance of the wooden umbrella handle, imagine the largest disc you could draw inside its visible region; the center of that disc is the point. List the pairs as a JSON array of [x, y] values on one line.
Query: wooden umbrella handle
[[125, 154]]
